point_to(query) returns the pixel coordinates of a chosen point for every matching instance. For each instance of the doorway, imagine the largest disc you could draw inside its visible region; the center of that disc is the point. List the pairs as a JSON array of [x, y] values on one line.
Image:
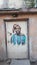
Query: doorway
[[17, 46]]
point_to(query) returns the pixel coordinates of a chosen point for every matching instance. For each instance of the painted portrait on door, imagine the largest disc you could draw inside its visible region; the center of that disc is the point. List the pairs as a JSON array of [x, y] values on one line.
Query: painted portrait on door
[[17, 39]]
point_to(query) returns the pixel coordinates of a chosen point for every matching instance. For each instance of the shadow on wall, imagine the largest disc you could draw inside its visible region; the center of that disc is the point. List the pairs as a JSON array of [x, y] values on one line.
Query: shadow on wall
[[2, 52]]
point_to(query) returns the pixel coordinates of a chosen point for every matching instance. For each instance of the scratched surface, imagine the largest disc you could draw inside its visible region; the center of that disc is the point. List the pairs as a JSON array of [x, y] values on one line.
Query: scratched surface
[[20, 62]]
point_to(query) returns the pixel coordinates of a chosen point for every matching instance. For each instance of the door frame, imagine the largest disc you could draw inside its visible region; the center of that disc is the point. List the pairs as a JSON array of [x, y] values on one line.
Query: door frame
[[15, 19]]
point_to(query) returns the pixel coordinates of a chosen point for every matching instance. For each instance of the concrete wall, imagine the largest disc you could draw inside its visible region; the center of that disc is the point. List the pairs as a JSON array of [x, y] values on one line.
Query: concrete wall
[[2, 41], [32, 34]]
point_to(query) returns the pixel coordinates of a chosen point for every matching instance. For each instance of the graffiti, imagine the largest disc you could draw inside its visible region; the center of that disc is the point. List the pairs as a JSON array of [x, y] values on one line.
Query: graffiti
[[17, 37]]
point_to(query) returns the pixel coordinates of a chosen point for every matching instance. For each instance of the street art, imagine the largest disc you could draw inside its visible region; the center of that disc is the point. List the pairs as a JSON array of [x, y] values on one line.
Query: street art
[[17, 39]]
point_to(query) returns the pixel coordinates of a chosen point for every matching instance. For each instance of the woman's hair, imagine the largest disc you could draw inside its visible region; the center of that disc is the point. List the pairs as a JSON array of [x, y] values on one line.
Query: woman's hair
[[15, 26]]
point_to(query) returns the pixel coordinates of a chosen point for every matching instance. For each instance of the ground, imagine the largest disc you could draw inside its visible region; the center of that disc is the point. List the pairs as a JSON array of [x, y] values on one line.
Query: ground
[[34, 63], [5, 63]]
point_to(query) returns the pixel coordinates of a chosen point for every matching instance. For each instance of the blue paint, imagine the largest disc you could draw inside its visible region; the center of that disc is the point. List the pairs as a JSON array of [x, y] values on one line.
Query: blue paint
[[19, 39]]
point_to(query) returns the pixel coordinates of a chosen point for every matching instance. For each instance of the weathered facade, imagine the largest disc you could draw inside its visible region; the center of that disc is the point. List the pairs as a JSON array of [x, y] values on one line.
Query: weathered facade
[[30, 14]]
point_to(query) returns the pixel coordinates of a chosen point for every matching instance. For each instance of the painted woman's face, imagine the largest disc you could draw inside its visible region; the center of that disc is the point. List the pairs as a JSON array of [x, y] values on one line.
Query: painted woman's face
[[18, 30]]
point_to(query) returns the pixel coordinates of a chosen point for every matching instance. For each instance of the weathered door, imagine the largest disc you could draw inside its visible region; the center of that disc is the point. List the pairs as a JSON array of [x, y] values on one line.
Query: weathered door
[[17, 38]]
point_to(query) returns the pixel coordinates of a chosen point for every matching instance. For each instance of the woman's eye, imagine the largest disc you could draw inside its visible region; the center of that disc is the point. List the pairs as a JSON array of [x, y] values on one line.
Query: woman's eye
[[15, 28]]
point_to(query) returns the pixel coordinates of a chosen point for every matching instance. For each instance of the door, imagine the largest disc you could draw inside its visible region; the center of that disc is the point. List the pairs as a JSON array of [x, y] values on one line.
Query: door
[[17, 43]]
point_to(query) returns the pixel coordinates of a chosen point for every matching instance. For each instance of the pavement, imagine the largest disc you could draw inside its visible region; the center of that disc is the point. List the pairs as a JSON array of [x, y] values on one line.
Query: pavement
[[34, 63], [8, 63], [20, 62], [3, 63]]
